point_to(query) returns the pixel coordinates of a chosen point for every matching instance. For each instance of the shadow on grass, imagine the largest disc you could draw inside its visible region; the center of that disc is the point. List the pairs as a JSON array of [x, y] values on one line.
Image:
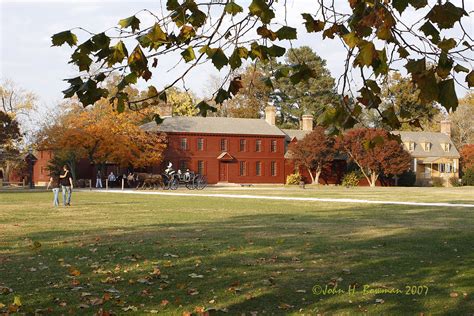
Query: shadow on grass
[[264, 263]]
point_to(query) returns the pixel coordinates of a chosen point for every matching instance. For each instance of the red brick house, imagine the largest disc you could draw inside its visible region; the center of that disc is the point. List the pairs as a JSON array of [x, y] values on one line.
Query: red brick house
[[231, 150]]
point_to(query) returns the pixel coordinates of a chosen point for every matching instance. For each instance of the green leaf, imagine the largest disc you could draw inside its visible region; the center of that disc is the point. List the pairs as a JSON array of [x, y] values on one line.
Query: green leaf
[[415, 66], [132, 22], [157, 35], [447, 44], [366, 54], [445, 64], [172, 5], [460, 68], [380, 63], [218, 58], [428, 85], [372, 84], [430, 30], [88, 93], [120, 100], [418, 4], [311, 24], [81, 59], [64, 37], [261, 9], [351, 39], [282, 72], [447, 95], [400, 5], [137, 61], [187, 32], [188, 54], [235, 59], [198, 18], [119, 52], [276, 51], [129, 79], [286, 33], [204, 107], [303, 72], [221, 96], [470, 79], [403, 52], [233, 8], [74, 85], [163, 96], [258, 52], [101, 40], [446, 15]]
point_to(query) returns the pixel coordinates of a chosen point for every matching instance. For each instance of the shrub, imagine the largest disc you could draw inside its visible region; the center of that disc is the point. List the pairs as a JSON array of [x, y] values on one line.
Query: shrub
[[407, 179], [454, 181], [293, 178], [437, 182], [468, 177], [350, 179]]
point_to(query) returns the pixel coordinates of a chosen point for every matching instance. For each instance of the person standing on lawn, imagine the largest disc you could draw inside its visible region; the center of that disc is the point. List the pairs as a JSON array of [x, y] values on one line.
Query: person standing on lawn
[[54, 184], [66, 185], [98, 180]]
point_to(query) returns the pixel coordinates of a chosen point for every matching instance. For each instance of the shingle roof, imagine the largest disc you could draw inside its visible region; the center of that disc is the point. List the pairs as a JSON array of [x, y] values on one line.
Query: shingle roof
[[214, 125], [436, 139], [292, 133]]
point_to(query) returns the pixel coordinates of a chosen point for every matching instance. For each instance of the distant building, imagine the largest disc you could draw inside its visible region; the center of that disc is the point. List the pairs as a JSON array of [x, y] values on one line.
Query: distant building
[[434, 155]]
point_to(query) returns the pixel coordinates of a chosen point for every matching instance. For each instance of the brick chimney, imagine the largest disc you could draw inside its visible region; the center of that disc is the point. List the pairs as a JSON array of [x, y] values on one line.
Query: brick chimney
[[307, 122], [270, 115], [446, 127]]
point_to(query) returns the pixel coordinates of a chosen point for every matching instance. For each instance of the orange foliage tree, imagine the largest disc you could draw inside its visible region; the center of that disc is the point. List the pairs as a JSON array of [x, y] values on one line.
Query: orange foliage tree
[[467, 157], [375, 152], [101, 134], [314, 152]]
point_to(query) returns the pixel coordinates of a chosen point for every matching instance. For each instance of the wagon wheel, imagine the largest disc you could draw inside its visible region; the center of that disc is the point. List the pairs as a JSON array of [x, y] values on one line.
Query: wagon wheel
[[200, 182], [174, 184], [191, 184]]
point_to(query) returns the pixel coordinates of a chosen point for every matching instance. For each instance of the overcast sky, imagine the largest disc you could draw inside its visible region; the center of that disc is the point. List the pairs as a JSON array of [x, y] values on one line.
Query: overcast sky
[[26, 55]]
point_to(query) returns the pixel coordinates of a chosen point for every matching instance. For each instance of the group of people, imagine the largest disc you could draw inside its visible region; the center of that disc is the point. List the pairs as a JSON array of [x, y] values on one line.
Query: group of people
[[61, 180], [113, 179]]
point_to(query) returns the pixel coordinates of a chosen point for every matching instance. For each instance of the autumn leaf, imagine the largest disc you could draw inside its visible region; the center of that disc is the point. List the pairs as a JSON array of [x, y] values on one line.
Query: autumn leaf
[[74, 272]]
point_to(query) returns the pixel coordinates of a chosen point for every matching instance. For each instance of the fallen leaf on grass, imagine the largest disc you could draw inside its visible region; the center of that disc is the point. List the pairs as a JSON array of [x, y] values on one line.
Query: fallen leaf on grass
[[17, 300], [83, 306], [379, 301], [200, 309], [453, 294], [285, 306], [5, 290], [130, 308], [196, 276], [74, 272], [164, 302], [193, 292]]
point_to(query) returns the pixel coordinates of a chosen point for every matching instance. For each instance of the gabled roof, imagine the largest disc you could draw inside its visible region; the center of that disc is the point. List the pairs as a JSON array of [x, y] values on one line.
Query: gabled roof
[[214, 125], [436, 140], [295, 133]]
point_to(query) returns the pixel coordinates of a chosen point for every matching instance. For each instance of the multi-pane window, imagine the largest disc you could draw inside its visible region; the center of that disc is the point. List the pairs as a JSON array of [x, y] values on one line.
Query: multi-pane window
[[200, 168], [442, 168], [449, 169], [258, 145], [200, 144], [273, 146], [184, 143], [183, 165], [243, 144], [223, 144], [258, 168], [242, 168], [273, 168]]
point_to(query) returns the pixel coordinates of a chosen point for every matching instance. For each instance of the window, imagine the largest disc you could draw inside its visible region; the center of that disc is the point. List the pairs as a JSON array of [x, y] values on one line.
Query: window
[[274, 146], [223, 144], [184, 143], [200, 144], [200, 168], [445, 147], [448, 168], [442, 168], [258, 145], [411, 146], [258, 168], [183, 165], [243, 145], [242, 168], [426, 146], [273, 168]]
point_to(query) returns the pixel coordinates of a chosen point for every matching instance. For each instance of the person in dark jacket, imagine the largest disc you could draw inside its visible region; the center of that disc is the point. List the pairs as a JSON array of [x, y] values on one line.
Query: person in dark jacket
[[66, 185]]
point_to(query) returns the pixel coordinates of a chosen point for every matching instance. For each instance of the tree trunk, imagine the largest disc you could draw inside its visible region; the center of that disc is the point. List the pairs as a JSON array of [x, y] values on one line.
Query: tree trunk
[[373, 179], [318, 173], [311, 175]]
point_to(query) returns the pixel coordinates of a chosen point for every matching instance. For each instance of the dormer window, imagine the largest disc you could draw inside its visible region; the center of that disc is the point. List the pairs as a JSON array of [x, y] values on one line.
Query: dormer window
[[446, 146], [426, 146], [410, 145]]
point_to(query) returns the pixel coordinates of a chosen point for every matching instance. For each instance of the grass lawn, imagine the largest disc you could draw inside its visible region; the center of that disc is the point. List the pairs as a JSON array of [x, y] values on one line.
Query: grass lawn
[[135, 254]]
